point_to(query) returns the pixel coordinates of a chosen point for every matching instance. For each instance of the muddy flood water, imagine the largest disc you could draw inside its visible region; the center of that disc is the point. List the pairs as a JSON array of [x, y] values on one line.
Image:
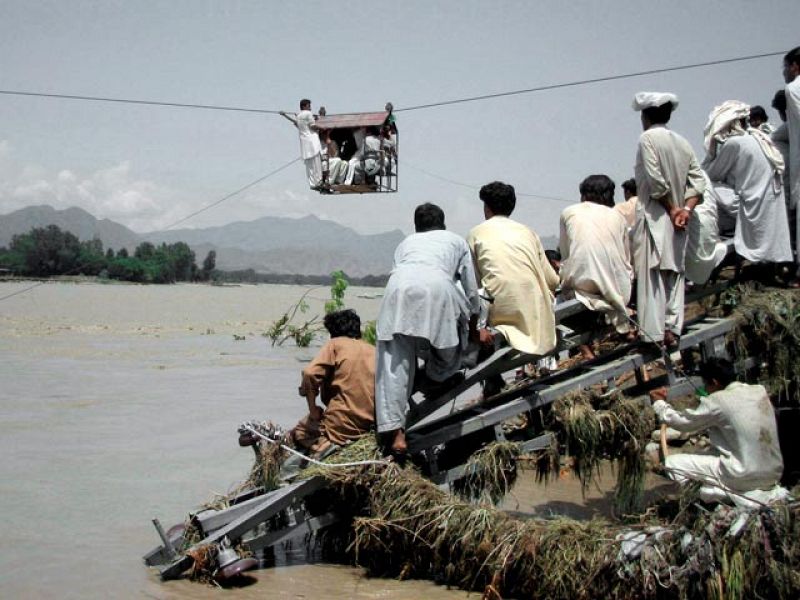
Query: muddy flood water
[[120, 403]]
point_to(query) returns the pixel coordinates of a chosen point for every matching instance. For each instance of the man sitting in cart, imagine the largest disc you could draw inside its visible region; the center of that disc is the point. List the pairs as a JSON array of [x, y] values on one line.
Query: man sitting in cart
[[343, 376]]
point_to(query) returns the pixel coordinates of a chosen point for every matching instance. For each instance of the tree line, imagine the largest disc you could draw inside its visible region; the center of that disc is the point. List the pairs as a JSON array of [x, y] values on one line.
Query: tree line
[[49, 251]]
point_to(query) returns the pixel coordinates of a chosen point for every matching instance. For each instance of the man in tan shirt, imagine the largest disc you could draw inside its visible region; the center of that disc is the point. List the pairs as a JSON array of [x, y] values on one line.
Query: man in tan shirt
[[513, 270], [343, 376]]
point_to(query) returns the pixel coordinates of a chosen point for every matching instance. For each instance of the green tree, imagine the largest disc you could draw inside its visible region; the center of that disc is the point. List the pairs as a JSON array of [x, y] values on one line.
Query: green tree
[[110, 254], [46, 251], [91, 259], [144, 251], [122, 253]]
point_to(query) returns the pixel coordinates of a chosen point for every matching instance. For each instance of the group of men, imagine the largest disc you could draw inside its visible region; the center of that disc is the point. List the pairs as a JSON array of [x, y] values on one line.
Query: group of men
[[374, 151], [447, 295]]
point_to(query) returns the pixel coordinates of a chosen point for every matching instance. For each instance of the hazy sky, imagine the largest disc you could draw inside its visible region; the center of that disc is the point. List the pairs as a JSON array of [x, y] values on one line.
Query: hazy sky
[[147, 166]]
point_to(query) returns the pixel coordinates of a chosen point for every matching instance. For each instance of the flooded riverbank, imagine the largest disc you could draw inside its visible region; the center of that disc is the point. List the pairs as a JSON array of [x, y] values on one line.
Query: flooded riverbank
[[120, 403]]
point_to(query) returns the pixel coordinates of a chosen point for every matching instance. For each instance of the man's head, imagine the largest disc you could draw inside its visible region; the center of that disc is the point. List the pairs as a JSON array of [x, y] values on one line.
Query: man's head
[[629, 188], [498, 199], [343, 323], [656, 115], [779, 103], [428, 217], [758, 116], [598, 189], [305, 104], [717, 374], [372, 130], [791, 65], [554, 258], [656, 107]]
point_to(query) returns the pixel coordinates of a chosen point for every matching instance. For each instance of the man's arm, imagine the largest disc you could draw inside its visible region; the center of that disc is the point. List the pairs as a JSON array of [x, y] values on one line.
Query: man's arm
[[692, 420], [291, 118], [314, 375]]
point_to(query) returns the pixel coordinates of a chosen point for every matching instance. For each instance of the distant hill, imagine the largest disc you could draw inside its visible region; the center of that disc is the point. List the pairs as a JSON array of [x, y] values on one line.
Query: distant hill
[[75, 220], [306, 246]]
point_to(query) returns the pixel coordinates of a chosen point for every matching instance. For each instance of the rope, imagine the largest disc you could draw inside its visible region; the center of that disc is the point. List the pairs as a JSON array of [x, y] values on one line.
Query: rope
[[358, 463], [141, 102], [474, 187], [578, 82]]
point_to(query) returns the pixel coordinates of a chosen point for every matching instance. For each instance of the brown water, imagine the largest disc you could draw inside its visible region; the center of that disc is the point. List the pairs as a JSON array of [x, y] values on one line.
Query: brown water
[[120, 403]]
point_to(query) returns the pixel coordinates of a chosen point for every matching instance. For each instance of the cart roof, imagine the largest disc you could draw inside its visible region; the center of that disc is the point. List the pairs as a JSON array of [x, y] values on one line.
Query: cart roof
[[374, 119]]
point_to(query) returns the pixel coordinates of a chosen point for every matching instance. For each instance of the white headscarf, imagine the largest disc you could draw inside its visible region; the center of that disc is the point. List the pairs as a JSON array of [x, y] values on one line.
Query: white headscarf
[[644, 100], [725, 121]]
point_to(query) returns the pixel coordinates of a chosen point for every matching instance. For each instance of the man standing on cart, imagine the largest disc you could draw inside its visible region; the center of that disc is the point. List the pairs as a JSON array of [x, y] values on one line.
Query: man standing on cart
[[310, 148]]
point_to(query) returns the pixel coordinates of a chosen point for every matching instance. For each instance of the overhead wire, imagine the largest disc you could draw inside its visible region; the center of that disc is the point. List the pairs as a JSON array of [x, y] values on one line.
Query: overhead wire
[[475, 187], [141, 102], [530, 90], [578, 82]]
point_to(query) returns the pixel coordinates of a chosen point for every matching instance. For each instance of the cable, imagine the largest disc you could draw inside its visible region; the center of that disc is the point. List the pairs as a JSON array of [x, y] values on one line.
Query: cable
[[474, 187], [197, 212], [232, 194], [143, 102], [359, 463], [556, 86]]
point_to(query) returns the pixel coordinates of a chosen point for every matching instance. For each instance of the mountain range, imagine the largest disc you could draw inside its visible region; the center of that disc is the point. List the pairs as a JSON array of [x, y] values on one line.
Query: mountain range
[[304, 246]]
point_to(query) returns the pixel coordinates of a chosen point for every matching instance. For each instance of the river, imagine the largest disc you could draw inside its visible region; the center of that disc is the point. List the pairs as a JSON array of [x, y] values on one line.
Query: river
[[120, 403]]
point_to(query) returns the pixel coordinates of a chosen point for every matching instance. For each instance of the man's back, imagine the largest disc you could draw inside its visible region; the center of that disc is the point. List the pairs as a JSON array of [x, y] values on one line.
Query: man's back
[[596, 254], [746, 434], [515, 272], [422, 298]]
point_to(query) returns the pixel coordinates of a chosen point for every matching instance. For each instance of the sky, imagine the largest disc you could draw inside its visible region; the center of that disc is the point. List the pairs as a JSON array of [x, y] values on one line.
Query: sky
[[147, 167]]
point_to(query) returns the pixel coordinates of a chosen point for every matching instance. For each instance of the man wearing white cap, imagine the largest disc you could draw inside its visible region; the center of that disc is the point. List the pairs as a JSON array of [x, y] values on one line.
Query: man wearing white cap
[[670, 184]]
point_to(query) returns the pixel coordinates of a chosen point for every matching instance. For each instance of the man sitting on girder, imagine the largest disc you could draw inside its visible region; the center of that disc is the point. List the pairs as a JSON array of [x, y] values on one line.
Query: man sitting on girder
[[343, 376], [596, 264], [425, 313], [514, 272], [747, 462]]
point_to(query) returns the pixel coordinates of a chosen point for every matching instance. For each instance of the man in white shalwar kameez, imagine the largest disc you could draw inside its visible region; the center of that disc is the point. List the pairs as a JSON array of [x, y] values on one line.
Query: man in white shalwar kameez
[[595, 254], [670, 184], [310, 147], [705, 249], [426, 309], [791, 74], [747, 463], [746, 160]]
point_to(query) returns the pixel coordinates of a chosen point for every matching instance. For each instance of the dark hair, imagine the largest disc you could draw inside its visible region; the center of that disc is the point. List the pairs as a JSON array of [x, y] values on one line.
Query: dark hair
[[629, 185], [718, 369], [499, 197], [658, 115], [372, 130], [343, 323], [428, 217], [758, 113], [305, 103], [598, 189], [792, 57], [779, 101], [552, 254]]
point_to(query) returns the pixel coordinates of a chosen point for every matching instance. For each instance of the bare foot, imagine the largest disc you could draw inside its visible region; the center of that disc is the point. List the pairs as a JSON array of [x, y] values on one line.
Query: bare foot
[[399, 445], [586, 352]]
